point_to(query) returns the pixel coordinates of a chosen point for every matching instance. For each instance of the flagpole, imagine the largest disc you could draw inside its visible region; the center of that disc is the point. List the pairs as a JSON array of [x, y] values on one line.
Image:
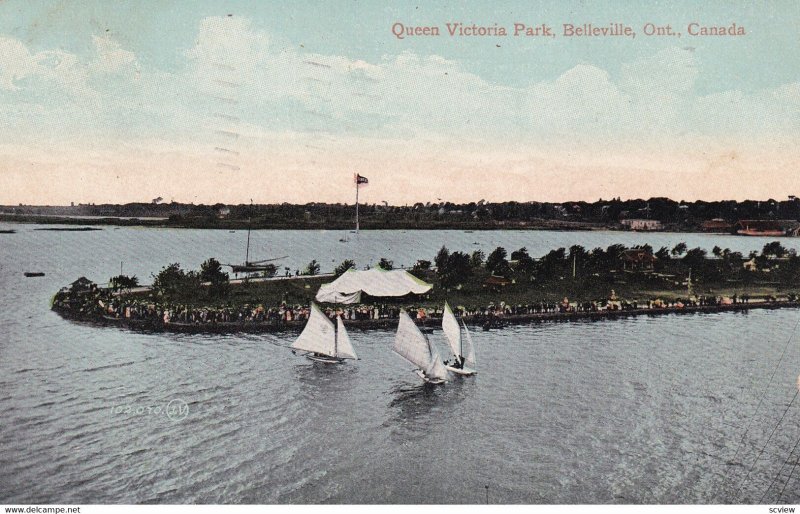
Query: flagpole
[[357, 184]]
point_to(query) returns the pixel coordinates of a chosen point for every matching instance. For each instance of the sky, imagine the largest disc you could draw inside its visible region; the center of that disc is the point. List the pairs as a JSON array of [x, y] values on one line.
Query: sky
[[209, 101]]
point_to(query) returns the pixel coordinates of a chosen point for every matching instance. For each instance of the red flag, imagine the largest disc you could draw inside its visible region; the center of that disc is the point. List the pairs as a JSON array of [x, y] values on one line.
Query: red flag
[[361, 180]]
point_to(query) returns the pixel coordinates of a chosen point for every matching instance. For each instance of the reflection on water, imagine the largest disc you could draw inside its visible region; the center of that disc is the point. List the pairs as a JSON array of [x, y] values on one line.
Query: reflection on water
[[411, 407], [320, 381], [640, 410]]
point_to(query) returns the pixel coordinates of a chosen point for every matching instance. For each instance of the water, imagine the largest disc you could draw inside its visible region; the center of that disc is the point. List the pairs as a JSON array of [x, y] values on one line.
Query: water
[[639, 410]]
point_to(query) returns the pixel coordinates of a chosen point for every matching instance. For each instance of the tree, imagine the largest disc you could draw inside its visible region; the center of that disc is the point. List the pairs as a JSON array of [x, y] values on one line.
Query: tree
[[774, 248], [717, 252], [169, 279], [552, 263], [312, 268], [421, 268], [344, 266], [613, 253], [421, 265], [456, 270], [123, 282], [386, 264], [476, 260], [679, 249], [496, 262], [211, 271], [173, 283], [525, 263], [578, 252], [695, 258], [662, 254], [517, 254], [441, 258]]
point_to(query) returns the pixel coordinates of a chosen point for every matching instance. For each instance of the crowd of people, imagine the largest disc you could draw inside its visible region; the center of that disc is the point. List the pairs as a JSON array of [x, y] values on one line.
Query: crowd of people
[[93, 303]]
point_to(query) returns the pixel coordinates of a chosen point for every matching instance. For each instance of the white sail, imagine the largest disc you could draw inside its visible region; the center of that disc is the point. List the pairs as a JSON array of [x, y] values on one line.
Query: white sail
[[452, 330], [410, 344], [318, 336], [469, 350], [344, 348], [437, 368]]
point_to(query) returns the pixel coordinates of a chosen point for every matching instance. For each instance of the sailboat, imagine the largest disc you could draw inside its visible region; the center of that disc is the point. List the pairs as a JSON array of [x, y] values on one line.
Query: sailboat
[[462, 347], [413, 346], [324, 342], [252, 266]]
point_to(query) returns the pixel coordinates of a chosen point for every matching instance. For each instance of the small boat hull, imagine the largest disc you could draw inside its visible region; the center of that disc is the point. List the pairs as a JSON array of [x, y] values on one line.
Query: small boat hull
[[428, 380], [467, 372], [324, 359], [33, 274]]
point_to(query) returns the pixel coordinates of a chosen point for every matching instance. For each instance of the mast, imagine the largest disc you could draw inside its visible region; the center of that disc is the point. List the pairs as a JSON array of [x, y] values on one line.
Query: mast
[[336, 331], [249, 223], [460, 343], [428, 342], [460, 346]]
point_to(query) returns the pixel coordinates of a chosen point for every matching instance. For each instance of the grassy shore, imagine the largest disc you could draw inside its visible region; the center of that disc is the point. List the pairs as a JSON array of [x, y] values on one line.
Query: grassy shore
[[474, 294]]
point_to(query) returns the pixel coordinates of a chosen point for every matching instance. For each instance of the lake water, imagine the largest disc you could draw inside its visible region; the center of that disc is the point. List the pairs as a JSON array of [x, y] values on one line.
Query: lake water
[[639, 410]]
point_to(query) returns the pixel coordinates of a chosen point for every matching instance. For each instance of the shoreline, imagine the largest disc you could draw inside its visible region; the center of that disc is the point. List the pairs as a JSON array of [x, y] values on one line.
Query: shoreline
[[366, 224], [83, 225], [486, 322]]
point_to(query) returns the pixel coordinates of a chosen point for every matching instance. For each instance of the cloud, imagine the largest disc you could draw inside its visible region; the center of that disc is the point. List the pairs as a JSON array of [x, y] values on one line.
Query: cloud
[[238, 71], [243, 99], [111, 57], [21, 70]]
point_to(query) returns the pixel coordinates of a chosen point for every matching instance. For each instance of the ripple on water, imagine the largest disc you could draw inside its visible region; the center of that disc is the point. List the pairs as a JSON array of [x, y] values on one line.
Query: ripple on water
[[637, 410]]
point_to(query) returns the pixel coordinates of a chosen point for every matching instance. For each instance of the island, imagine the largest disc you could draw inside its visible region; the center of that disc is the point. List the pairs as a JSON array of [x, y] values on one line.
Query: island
[[487, 290]]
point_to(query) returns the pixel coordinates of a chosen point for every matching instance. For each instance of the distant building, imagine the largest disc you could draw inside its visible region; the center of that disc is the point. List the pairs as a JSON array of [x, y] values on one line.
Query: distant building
[[496, 281], [717, 225], [772, 228], [638, 259], [750, 265], [641, 224]]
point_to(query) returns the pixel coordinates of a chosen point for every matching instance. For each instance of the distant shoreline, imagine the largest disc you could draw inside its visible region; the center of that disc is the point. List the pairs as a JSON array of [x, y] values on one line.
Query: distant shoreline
[[294, 225], [775, 218]]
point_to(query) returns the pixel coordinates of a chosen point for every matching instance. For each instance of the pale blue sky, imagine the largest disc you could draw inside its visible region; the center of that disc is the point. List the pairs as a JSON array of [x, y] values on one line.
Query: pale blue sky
[[183, 88], [160, 31]]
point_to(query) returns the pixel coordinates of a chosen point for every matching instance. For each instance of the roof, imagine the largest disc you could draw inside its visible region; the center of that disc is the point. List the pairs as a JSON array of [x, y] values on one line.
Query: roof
[[374, 282], [495, 280], [716, 223]]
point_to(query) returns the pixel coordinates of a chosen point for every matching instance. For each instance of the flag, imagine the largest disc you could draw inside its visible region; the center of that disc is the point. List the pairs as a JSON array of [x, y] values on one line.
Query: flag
[[361, 180]]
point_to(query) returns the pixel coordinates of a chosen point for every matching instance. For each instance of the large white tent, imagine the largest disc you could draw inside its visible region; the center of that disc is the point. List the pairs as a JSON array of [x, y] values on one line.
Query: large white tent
[[374, 282]]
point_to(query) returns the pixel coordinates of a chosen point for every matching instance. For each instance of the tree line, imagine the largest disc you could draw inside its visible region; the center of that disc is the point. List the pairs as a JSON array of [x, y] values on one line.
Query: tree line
[[675, 214]]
